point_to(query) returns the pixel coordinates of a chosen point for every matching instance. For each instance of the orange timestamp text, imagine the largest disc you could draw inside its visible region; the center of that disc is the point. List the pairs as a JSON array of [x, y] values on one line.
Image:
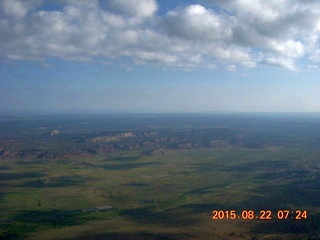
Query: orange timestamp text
[[260, 215]]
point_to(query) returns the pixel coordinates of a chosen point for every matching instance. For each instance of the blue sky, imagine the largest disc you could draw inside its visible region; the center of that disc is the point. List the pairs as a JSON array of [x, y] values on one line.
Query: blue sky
[[159, 56]]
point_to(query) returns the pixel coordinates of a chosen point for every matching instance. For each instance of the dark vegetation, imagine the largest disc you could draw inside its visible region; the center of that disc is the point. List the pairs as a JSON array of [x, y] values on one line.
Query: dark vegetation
[[162, 174]]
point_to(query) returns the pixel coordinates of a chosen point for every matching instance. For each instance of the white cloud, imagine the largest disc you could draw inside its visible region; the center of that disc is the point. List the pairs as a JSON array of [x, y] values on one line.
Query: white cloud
[[17, 8], [231, 67], [245, 32], [230, 54], [287, 63], [282, 27], [196, 23], [289, 48], [134, 8]]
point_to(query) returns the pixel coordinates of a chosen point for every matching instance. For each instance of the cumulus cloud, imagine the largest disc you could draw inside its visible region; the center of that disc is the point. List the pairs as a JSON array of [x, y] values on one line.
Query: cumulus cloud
[[286, 29], [224, 32], [287, 63], [71, 33], [17, 9], [196, 23], [134, 8]]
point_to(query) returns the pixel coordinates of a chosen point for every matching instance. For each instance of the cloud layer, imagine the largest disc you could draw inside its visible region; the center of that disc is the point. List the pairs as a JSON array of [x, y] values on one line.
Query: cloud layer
[[222, 33]]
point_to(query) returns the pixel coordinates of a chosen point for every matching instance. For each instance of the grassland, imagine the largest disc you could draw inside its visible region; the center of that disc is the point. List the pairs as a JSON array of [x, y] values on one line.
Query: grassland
[[169, 196]]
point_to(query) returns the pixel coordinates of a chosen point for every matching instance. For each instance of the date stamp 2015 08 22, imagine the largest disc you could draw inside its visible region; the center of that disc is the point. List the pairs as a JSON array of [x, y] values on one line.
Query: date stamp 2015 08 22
[[261, 215]]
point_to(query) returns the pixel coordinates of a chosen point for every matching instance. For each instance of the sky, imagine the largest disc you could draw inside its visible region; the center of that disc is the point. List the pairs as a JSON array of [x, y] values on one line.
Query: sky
[[90, 56]]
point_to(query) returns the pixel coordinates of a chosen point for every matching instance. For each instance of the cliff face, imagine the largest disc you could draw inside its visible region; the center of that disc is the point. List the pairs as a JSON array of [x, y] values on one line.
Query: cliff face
[[113, 138], [149, 143], [54, 132], [5, 153]]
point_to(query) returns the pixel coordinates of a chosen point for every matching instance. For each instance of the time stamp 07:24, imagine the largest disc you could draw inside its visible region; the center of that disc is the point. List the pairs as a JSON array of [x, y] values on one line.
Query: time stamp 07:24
[[261, 215]]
